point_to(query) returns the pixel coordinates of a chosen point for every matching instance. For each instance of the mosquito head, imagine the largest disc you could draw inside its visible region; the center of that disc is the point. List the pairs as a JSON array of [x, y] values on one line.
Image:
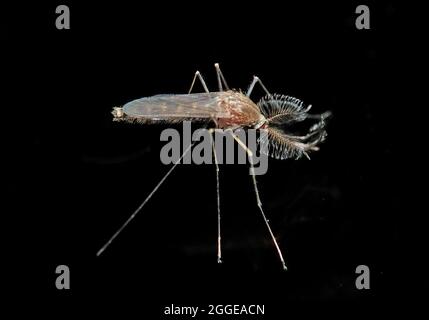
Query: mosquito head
[[291, 131]]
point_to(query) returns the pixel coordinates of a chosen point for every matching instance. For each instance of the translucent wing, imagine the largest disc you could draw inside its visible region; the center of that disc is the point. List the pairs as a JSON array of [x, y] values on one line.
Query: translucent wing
[[172, 108]]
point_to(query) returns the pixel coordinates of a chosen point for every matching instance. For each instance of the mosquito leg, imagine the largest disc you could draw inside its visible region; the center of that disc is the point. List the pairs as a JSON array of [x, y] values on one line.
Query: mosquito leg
[[200, 77], [220, 78], [219, 247], [258, 200], [144, 202], [252, 85]]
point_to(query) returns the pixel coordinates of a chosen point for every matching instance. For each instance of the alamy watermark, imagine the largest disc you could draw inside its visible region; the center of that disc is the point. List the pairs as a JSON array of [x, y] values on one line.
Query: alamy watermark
[[205, 141], [63, 19], [362, 20]]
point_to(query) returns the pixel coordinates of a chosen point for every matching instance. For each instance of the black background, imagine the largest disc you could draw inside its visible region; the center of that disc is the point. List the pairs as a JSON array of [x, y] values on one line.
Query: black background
[[82, 174]]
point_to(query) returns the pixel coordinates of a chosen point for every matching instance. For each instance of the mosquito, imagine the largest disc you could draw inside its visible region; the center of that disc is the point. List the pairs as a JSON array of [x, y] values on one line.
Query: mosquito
[[229, 110]]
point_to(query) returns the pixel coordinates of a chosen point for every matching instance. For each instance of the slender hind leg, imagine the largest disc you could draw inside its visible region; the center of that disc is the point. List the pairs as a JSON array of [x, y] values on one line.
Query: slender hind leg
[[144, 202], [220, 78], [200, 77], [219, 246], [211, 131], [252, 85], [258, 200]]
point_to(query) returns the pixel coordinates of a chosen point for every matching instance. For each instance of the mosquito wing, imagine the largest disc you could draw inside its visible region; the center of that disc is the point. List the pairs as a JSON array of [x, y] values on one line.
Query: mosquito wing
[[172, 108]]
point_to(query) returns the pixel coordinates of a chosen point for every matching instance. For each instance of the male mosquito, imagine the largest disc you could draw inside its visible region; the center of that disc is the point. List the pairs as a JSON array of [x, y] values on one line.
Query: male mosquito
[[228, 110]]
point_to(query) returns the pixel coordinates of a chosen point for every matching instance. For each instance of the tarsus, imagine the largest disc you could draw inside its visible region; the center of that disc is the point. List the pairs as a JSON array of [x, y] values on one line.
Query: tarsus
[[143, 203]]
